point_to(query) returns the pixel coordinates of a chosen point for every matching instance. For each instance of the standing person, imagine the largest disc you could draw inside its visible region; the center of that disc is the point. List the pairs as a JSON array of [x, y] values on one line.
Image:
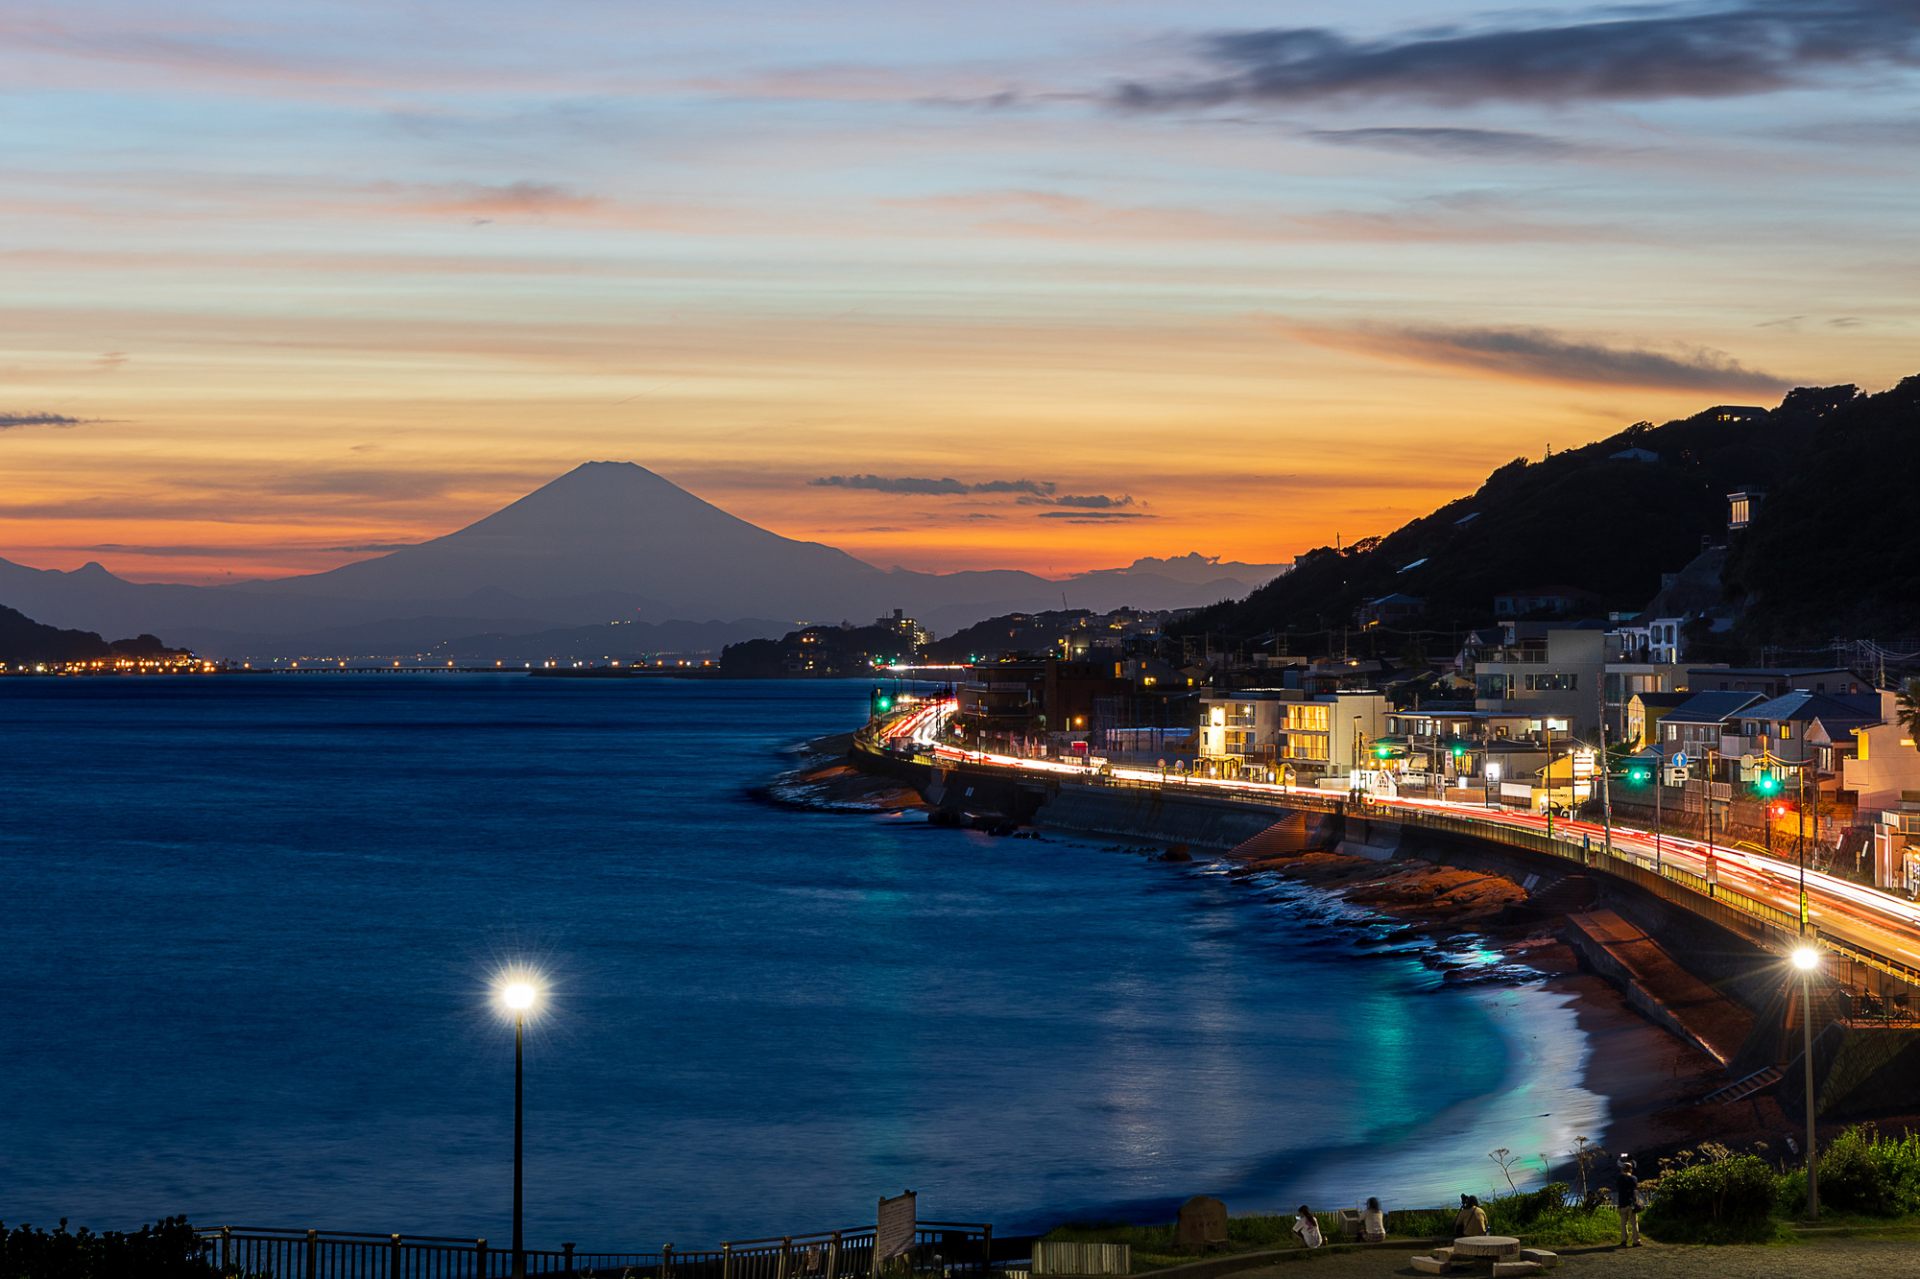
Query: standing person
[[1472, 1221], [1373, 1222], [1307, 1227], [1626, 1196]]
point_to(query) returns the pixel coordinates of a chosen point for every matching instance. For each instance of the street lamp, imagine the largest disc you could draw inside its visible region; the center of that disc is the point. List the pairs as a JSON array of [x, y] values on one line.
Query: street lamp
[[519, 993], [1807, 960]]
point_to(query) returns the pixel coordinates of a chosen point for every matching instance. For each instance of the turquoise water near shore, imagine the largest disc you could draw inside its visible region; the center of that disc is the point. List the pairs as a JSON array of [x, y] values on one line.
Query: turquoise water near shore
[[252, 921]]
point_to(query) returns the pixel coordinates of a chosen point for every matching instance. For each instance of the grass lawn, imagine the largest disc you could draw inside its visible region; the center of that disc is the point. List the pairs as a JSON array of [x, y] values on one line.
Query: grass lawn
[[1154, 1247]]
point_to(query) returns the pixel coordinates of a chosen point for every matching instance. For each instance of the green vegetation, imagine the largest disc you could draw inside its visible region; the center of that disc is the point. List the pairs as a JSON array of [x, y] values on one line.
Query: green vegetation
[[1869, 1184], [1713, 1195], [1874, 1176], [1541, 1218], [1723, 1199], [168, 1250], [1545, 1218], [1154, 1248], [1831, 550]]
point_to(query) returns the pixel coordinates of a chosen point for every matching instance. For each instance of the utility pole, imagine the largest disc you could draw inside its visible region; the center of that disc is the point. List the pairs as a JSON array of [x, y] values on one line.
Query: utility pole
[[1606, 775], [1706, 805], [1659, 782], [1549, 724], [1802, 841]]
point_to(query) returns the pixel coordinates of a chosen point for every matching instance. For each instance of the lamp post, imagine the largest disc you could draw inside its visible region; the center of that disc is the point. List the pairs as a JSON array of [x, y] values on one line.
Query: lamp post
[[1807, 960], [518, 996]]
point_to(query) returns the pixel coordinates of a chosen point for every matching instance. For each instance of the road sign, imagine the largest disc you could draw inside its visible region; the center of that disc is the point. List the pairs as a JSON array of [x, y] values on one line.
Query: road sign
[[1680, 759]]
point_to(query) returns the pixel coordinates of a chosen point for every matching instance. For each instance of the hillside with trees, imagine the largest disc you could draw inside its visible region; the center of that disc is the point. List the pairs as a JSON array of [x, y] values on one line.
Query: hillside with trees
[[1833, 550], [25, 642], [1608, 518]]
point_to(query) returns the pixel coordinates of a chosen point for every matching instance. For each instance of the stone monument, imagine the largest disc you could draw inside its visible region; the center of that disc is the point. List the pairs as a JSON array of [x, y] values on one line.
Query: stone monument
[[1203, 1221]]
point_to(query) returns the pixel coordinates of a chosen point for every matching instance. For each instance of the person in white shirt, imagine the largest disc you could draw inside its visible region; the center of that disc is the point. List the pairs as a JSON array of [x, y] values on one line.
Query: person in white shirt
[[1307, 1227], [1373, 1222]]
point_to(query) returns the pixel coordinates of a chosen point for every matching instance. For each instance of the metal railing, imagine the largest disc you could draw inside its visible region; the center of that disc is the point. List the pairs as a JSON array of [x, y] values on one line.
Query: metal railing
[[939, 1247]]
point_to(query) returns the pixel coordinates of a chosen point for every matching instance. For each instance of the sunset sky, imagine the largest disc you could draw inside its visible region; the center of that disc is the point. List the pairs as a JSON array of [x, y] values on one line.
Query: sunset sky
[[1050, 284]]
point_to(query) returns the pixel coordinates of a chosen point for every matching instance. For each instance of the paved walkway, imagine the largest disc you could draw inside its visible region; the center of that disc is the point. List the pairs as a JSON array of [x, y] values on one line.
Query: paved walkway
[[1831, 1258]]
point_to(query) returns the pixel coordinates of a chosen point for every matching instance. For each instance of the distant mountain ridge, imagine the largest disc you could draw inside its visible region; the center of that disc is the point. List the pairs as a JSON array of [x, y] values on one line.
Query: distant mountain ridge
[[606, 542]]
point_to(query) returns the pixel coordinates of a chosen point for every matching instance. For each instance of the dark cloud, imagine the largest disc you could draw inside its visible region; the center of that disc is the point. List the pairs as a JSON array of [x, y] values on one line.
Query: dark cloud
[[1641, 53], [1446, 141], [923, 487], [1541, 355], [1080, 501], [10, 420], [1093, 517], [183, 551]]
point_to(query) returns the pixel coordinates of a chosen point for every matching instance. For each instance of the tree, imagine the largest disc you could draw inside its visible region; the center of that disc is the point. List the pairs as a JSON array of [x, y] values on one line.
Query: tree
[[1910, 710]]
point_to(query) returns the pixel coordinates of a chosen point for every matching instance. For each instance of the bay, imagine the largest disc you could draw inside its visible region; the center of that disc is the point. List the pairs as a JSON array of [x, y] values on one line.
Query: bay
[[252, 923]]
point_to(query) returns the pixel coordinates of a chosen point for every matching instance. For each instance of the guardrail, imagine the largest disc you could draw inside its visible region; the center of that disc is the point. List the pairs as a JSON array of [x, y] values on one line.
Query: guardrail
[[257, 1252]]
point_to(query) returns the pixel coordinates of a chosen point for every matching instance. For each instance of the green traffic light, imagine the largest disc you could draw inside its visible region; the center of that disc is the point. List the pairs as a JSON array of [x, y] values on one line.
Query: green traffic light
[[1458, 750], [1767, 784], [1383, 752], [886, 703]]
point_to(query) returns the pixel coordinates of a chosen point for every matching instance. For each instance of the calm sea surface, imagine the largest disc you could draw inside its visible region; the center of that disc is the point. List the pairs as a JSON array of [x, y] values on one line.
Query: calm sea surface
[[250, 924]]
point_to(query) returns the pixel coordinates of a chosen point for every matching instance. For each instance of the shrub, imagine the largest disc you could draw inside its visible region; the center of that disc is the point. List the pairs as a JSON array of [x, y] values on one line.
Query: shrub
[[168, 1250], [1724, 1200], [1863, 1172], [1549, 1216]]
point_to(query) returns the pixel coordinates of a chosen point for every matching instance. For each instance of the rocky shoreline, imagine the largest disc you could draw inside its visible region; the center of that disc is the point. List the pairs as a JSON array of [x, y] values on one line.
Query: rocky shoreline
[[822, 777]]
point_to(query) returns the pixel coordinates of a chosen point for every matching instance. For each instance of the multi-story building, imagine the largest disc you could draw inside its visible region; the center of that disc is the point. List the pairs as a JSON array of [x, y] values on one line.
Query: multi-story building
[[1551, 675], [1774, 681], [1896, 845], [1884, 764], [1313, 734]]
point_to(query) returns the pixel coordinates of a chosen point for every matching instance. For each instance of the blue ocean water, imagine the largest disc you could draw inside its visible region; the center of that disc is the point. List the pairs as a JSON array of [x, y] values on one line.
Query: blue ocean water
[[251, 924]]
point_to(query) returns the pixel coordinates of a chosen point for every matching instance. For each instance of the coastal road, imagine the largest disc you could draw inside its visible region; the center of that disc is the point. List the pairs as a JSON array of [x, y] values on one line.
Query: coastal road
[[1862, 918]]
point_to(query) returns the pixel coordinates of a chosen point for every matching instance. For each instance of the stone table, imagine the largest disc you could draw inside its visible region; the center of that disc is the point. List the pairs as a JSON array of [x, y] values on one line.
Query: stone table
[[1486, 1248]]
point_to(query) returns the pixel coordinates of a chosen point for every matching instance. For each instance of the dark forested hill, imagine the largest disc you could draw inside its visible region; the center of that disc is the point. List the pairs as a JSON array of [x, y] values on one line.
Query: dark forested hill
[[24, 642], [1835, 548], [1608, 518]]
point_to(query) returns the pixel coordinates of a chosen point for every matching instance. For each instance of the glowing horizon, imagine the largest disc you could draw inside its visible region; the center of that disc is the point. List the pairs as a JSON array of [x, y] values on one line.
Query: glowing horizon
[[289, 288]]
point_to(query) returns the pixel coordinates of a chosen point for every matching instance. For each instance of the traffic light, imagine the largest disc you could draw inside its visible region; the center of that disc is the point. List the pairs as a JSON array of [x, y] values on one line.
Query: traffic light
[[1639, 774], [1458, 750], [881, 701], [1767, 783], [1382, 751]]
